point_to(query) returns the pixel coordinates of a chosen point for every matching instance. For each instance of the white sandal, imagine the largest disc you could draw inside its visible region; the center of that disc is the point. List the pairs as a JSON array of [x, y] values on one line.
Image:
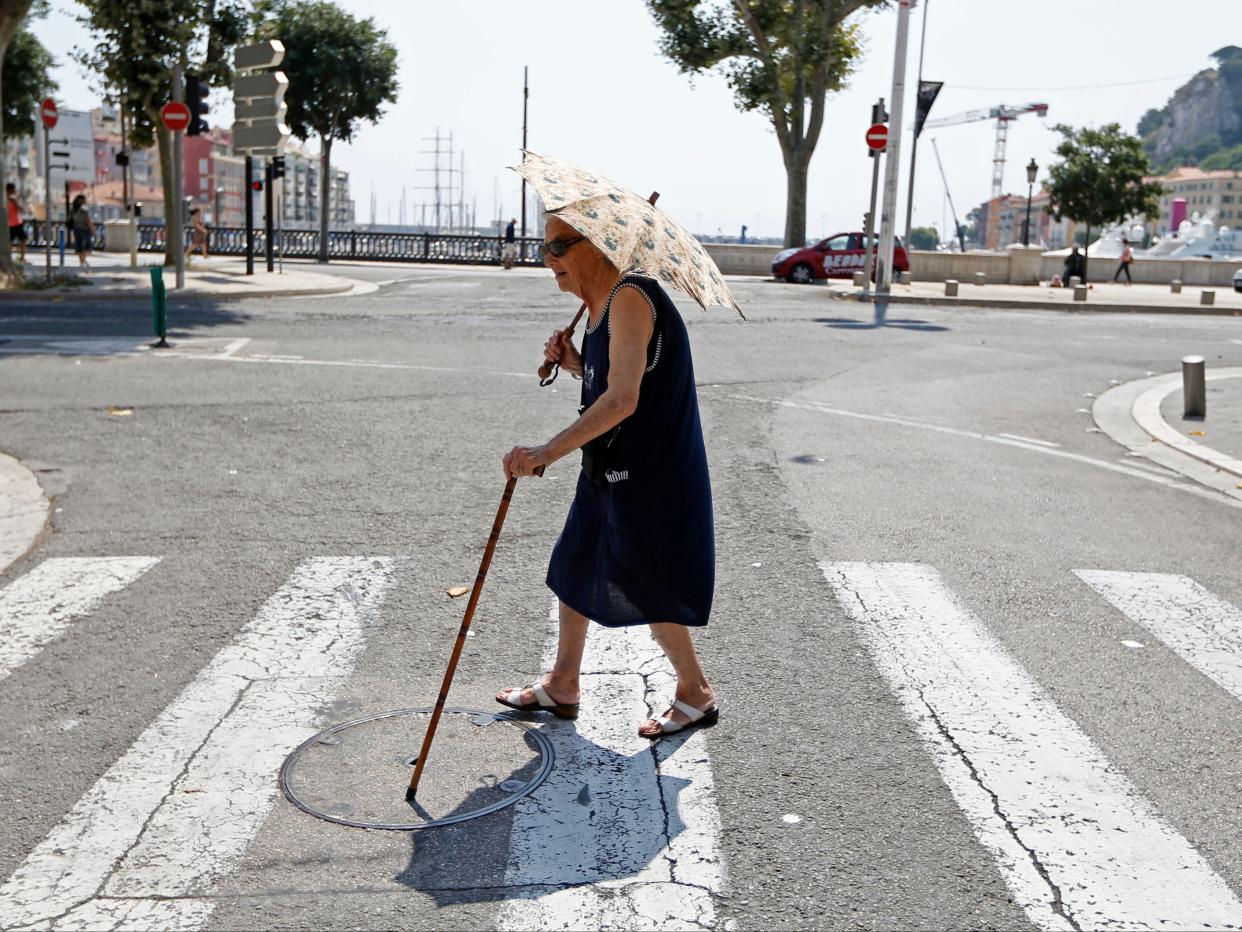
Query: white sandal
[[543, 702], [699, 718]]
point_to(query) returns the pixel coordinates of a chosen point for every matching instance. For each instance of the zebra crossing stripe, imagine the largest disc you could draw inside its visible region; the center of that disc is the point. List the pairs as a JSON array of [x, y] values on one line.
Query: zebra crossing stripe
[[623, 834], [1075, 841], [145, 845], [1203, 630], [37, 607]]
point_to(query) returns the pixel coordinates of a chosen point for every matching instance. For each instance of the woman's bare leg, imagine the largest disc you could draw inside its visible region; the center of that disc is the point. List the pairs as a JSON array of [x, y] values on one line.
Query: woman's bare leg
[[562, 683], [692, 686]]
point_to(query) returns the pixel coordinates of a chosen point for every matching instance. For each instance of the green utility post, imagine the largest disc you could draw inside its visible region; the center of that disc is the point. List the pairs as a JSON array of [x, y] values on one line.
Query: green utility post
[[159, 304]]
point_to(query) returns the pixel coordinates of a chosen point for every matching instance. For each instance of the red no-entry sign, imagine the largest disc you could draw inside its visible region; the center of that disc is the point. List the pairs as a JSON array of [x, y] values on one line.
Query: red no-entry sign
[[48, 113], [176, 116], [877, 136]]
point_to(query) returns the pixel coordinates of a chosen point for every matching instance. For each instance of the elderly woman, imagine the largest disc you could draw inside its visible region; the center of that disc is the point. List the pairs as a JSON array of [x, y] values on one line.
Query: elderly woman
[[638, 545]]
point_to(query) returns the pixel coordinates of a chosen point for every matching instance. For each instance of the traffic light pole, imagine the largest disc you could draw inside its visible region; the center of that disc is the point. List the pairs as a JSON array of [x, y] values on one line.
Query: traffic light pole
[[888, 213], [47, 198], [249, 216], [268, 216]]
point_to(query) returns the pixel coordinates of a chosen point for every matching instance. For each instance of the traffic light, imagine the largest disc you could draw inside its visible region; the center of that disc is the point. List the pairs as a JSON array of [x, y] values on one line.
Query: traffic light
[[122, 158], [278, 166], [196, 91], [256, 185]]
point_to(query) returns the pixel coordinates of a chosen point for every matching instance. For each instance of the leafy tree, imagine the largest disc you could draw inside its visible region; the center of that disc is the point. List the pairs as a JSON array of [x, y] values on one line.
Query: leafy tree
[[26, 79], [924, 238], [781, 57], [1101, 177], [138, 42], [1152, 120], [12, 12], [341, 72]]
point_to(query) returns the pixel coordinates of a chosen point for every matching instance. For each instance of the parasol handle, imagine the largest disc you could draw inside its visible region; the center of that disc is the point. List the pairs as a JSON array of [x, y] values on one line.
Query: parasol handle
[[545, 371]]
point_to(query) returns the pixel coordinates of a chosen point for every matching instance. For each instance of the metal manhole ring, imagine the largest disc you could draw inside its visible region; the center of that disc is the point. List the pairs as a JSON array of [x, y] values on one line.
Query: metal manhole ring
[[547, 757]]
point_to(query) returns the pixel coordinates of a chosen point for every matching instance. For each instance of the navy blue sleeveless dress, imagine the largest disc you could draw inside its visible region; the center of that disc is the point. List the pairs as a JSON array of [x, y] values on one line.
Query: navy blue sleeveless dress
[[639, 546]]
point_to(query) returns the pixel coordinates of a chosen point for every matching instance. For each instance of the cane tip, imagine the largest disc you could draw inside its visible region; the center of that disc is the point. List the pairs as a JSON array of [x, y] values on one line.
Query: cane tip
[[409, 794]]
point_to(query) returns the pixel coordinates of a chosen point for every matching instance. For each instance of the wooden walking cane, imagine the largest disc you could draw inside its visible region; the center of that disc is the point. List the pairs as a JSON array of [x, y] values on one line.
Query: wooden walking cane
[[461, 633], [545, 371]]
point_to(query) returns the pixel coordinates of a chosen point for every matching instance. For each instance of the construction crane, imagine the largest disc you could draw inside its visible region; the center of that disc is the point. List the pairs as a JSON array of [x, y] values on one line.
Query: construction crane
[[1003, 116]]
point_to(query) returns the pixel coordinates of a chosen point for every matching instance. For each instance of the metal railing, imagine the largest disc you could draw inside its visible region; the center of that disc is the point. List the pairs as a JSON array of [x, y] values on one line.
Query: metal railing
[[465, 249], [36, 233]]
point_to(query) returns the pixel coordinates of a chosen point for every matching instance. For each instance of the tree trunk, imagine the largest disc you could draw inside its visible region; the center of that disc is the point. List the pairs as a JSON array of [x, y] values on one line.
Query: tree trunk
[[325, 187], [1086, 243], [12, 12], [163, 139], [795, 201]]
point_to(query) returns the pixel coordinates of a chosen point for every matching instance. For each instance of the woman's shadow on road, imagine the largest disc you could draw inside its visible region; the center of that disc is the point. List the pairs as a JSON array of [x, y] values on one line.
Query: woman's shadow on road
[[606, 820]]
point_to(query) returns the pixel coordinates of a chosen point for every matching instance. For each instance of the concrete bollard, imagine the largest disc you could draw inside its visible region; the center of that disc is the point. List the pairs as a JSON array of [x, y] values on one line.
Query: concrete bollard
[[1207, 297], [950, 288], [1194, 389], [1080, 292], [860, 279], [981, 278], [1175, 286]]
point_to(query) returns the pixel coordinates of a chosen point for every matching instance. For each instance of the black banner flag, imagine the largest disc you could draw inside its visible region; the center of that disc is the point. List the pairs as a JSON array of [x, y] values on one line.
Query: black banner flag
[[927, 96]]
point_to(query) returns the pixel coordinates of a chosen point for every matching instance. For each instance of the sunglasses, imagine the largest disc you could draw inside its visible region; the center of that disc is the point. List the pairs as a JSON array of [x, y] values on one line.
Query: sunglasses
[[558, 247]]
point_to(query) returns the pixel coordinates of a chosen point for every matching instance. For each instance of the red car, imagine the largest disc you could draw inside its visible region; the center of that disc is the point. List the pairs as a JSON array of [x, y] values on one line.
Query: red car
[[838, 256]]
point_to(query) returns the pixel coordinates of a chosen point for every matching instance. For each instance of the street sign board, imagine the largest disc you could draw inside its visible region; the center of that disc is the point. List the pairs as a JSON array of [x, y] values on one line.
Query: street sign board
[[48, 113], [263, 84], [877, 137], [262, 134], [260, 55], [260, 108], [176, 116], [75, 135]]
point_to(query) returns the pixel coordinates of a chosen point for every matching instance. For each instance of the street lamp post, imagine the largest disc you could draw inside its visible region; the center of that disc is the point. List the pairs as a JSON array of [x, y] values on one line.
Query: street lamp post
[[1031, 171]]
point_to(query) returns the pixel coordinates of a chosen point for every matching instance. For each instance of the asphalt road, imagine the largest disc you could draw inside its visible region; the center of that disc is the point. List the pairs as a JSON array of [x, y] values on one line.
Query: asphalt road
[[932, 717]]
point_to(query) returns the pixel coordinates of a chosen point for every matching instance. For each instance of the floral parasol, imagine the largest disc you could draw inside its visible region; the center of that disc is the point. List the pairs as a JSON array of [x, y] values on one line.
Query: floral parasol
[[632, 233]]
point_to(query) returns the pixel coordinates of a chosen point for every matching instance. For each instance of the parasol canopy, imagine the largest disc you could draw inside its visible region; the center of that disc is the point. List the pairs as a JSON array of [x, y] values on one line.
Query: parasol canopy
[[635, 235]]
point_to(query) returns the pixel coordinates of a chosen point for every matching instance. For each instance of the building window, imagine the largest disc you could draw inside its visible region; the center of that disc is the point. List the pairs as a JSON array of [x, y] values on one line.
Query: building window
[[202, 166]]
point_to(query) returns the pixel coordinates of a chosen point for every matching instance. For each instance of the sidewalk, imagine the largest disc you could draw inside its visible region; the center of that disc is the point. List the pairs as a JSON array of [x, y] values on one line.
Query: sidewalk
[[23, 510], [212, 278], [1145, 416], [1108, 297]]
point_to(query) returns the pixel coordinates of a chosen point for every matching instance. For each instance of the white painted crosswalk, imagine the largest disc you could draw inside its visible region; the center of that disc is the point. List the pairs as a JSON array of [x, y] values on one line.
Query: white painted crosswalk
[[1203, 630], [1076, 842], [144, 845], [39, 606], [622, 834]]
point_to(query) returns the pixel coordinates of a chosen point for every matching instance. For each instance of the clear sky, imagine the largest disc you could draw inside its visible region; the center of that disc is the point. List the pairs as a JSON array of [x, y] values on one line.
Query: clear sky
[[601, 95]]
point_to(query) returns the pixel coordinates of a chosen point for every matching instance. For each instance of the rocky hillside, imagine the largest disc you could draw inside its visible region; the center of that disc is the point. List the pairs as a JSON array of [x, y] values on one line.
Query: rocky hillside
[[1202, 122]]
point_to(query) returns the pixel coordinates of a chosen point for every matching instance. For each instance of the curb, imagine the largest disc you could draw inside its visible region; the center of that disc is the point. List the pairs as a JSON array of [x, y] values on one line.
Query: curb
[[1117, 413], [129, 294], [1010, 304], [24, 511], [1146, 412]]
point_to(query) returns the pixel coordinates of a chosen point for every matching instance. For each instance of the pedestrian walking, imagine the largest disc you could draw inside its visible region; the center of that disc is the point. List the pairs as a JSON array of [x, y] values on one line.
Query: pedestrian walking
[[509, 251], [638, 546], [83, 230], [1127, 256], [17, 226], [198, 234]]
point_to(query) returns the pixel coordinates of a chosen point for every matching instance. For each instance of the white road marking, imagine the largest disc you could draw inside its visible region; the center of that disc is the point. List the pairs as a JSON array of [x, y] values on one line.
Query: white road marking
[[1203, 630], [145, 845], [1042, 443], [1074, 839], [622, 834], [344, 363], [1209, 494], [234, 346], [36, 608]]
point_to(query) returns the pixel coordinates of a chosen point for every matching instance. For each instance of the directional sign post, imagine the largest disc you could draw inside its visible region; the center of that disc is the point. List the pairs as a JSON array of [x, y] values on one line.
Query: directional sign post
[[176, 118], [259, 121]]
